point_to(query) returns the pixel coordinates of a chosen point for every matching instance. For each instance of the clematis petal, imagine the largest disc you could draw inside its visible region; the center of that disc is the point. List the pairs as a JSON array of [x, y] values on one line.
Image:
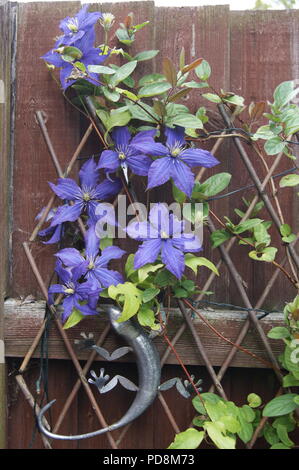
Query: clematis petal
[[173, 259], [56, 234], [107, 189], [152, 148], [85, 309], [121, 137], [109, 160], [53, 58], [141, 230], [198, 157], [67, 213], [70, 257], [63, 273], [68, 305], [182, 176], [139, 164], [66, 188], [54, 289], [144, 142], [107, 277], [175, 137], [109, 253], [80, 270], [189, 242], [159, 218], [65, 72], [92, 242], [147, 252], [89, 174], [159, 172]]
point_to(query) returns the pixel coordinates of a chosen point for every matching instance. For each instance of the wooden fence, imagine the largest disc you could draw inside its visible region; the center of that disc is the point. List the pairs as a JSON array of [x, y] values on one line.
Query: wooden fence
[[250, 53]]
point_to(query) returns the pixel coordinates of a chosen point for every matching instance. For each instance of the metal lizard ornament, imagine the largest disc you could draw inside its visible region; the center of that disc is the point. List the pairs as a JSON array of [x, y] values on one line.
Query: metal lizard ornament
[[149, 374]]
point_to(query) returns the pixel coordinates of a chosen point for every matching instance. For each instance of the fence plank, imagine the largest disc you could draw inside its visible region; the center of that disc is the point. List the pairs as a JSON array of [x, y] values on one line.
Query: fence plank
[[255, 73], [36, 90], [23, 321]]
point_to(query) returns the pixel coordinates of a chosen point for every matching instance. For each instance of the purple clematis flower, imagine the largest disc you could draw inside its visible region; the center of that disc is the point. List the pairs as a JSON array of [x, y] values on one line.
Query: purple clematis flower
[[73, 291], [85, 197], [164, 234], [55, 232], [74, 29], [90, 56], [128, 151], [92, 265], [177, 161]]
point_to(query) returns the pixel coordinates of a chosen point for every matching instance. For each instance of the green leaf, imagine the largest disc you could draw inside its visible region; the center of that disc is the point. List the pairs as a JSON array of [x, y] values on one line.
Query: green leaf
[[278, 332], [235, 99], [285, 230], [123, 72], [290, 381], [180, 293], [111, 95], [146, 55], [220, 236], [123, 36], [75, 317], [280, 406], [194, 84], [145, 271], [165, 278], [184, 120], [274, 146], [263, 132], [279, 446], [129, 295], [149, 294], [247, 225], [178, 195], [246, 432], [151, 78], [146, 317], [117, 117], [203, 71], [267, 255], [216, 432], [216, 183], [193, 262], [289, 181], [287, 421], [284, 93], [212, 97], [190, 439], [270, 434], [70, 53], [283, 436], [254, 400], [142, 114], [129, 266], [247, 413], [106, 241], [206, 397], [101, 69], [154, 89]]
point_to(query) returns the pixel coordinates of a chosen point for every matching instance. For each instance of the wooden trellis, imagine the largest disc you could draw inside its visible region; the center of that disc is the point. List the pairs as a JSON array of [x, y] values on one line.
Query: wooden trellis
[[264, 191]]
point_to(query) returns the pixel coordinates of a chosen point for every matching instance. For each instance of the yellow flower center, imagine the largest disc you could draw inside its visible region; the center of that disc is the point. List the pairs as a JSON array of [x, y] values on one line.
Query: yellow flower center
[[175, 152], [121, 156], [86, 197], [164, 235], [69, 291], [91, 265]]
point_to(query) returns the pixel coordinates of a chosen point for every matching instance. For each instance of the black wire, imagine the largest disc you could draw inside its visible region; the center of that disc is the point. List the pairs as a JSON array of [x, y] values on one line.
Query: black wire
[[286, 172], [236, 307]]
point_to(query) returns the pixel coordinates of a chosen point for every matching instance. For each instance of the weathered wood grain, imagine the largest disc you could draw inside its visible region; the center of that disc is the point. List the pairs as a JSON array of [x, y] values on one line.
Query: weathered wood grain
[[7, 63], [22, 322]]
